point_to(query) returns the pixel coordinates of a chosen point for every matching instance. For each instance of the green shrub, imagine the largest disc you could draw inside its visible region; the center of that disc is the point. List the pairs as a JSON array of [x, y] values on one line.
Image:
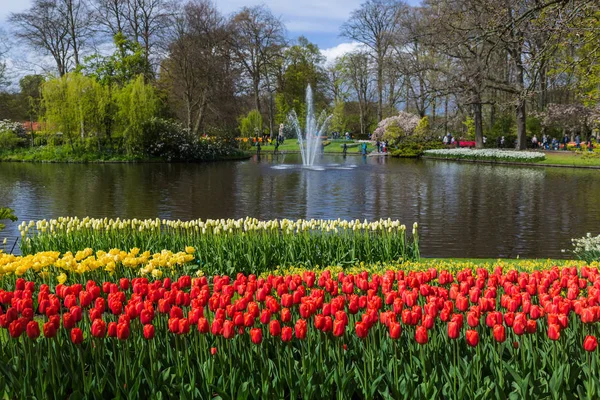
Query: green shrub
[[411, 148], [10, 141]]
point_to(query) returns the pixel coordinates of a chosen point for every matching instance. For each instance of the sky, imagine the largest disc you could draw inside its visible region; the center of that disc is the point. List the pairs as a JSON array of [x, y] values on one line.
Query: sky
[[318, 20]]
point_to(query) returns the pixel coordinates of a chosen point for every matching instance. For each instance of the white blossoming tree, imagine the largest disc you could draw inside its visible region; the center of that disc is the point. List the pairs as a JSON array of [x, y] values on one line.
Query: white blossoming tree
[[397, 127]]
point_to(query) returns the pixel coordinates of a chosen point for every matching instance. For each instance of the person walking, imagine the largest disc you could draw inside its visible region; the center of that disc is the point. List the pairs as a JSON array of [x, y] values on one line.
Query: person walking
[[565, 141], [534, 142], [502, 140], [578, 141]]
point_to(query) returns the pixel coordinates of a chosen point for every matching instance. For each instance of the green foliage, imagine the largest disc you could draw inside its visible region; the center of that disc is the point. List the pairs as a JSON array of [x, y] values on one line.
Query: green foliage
[[74, 105], [469, 123], [123, 66], [136, 104], [301, 66], [10, 141], [393, 134], [414, 147], [6, 213], [423, 129], [534, 127], [338, 120], [251, 125]]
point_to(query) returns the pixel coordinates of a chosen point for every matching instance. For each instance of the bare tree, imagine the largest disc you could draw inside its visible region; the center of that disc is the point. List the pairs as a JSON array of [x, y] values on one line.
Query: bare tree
[[44, 28], [198, 60], [77, 16], [110, 15], [257, 40], [3, 52], [374, 25], [357, 71]]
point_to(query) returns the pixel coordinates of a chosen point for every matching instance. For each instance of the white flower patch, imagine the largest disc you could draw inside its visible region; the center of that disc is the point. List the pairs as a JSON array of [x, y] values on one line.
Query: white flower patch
[[587, 248], [487, 154]]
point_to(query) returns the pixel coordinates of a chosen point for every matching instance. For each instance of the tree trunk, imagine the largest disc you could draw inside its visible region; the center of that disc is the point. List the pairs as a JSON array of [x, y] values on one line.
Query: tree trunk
[[256, 84], [542, 100], [521, 103], [379, 88], [521, 125], [478, 119], [446, 115]]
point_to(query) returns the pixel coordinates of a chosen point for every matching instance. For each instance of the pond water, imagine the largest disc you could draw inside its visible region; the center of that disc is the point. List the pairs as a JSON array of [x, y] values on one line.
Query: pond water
[[463, 210]]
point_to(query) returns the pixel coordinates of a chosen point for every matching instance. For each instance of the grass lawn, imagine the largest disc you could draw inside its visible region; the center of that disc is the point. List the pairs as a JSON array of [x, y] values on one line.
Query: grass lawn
[[571, 158], [333, 147]]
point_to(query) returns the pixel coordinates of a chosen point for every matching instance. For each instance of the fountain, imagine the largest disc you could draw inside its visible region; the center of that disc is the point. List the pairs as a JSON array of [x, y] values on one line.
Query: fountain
[[310, 144]]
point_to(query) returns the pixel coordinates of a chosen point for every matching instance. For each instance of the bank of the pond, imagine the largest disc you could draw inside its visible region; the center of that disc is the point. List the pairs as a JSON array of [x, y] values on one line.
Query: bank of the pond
[[332, 147], [36, 156], [552, 160]]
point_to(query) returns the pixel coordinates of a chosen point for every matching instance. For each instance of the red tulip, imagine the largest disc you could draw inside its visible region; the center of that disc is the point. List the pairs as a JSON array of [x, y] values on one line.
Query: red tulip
[[590, 343], [300, 329], [76, 336], [16, 328], [274, 327], [265, 316], [98, 328], [519, 327], [184, 326], [228, 329], [33, 329], [49, 330], [472, 337], [362, 329], [286, 315], [339, 328], [286, 334], [173, 324], [395, 330], [217, 327], [499, 333], [123, 331], [146, 317], [554, 331], [453, 330], [213, 350], [421, 335], [256, 335], [148, 331], [68, 320], [203, 325], [112, 329]]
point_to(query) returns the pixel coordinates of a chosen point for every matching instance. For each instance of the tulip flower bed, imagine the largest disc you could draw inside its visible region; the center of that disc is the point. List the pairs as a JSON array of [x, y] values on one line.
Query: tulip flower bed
[[232, 246], [427, 334]]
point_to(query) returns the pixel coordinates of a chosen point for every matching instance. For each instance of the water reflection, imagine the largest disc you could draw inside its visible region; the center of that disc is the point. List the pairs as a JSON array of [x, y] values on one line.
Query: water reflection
[[464, 210]]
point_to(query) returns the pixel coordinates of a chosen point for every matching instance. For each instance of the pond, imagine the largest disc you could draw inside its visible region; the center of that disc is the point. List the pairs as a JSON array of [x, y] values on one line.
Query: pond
[[463, 210]]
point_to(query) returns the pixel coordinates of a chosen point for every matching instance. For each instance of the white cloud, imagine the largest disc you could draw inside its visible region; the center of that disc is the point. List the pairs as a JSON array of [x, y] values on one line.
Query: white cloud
[[343, 48]]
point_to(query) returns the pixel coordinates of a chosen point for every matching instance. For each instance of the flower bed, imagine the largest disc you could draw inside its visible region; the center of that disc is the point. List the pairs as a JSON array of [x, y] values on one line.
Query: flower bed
[[230, 246], [426, 334], [487, 155]]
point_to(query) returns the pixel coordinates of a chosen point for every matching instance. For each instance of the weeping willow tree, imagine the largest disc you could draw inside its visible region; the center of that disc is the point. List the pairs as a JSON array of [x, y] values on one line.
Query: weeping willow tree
[[252, 124], [75, 105], [136, 103], [80, 107]]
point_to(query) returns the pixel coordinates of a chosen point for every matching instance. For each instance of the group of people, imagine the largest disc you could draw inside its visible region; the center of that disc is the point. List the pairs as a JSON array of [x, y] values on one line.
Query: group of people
[[381, 146], [550, 143], [449, 139]]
